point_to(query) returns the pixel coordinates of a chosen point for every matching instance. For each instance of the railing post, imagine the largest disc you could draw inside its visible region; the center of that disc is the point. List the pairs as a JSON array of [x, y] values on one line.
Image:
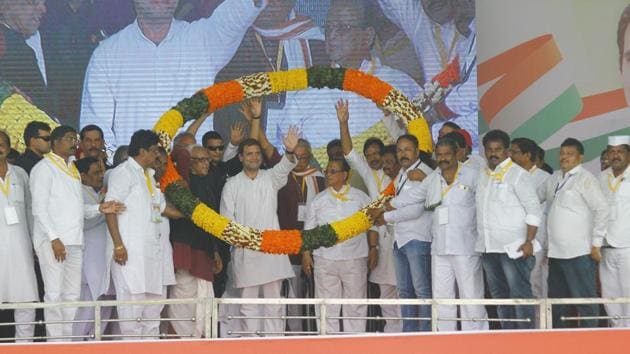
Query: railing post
[[97, 321], [214, 332], [542, 314], [322, 319], [434, 316], [549, 314]]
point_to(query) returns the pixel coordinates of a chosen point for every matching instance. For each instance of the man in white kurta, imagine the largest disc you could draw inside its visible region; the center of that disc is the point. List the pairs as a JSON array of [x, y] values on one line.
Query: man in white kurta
[[251, 199], [456, 267], [614, 269], [138, 245], [58, 213], [95, 259], [432, 28], [370, 167], [348, 41], [340, 271], [134, 77], [17, 275]]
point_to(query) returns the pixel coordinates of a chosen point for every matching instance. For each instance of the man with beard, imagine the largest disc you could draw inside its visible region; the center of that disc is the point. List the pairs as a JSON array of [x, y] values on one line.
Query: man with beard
[[251, 199], [614, 268], [370, 168], [508, 217], [58, 212], [450, 192]]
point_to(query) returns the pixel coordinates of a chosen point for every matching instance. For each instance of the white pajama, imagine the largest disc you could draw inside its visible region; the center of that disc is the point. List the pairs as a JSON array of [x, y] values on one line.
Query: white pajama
[[463, 272], [614, 274], [86, 329], [273, 327], [62, 283], [390, 292], [342, 279], [188, 286], [24, 330], [538, 277], [149, 330]]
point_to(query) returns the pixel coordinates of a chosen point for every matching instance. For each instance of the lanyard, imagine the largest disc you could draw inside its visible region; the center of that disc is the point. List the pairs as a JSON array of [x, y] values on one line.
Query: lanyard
[[499, 175], [400, 186], [448, 188], [564, 182], [611, 178], [69, 169], [147, 179], [5, 187], [342, 194], [302, 194], [379, 181]]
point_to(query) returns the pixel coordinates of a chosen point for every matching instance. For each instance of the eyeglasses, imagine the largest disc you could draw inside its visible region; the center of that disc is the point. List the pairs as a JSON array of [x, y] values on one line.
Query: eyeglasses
[[44, 138], [340, 27], [216, 148], [303, 157]]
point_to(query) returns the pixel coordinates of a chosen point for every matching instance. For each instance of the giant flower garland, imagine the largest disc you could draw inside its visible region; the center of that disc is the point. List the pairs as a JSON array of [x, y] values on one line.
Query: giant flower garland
[[222, 94]]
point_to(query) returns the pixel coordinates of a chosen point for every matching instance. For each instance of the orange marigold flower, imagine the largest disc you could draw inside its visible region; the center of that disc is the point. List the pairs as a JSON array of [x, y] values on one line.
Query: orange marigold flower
[[281, 241], [366, 85], [223, 94]]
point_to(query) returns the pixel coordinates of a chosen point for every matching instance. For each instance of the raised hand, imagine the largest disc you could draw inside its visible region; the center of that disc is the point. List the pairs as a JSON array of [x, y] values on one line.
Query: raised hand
[[251, 108], [237, 133], [342, 111], [291, 139]]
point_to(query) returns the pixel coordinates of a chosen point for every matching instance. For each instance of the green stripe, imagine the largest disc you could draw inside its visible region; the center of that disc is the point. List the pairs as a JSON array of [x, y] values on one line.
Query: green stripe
[[592, 148], [552, 117], [482, 125]]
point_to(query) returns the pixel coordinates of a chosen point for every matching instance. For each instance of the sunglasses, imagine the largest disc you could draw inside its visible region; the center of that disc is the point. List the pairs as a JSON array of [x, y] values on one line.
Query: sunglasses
[[44, 138], [216, 148]]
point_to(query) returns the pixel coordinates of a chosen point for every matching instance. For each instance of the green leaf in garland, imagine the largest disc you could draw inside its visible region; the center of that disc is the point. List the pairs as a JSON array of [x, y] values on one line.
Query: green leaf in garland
[[193, 107], [181, 198], [321, 236], [323, 76]]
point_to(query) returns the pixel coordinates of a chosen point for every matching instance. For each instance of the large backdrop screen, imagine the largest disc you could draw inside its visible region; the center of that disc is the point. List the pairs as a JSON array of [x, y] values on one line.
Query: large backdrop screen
[[121, 63]]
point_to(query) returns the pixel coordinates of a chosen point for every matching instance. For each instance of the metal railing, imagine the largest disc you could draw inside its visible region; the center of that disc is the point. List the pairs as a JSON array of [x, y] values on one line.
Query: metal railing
[[212, 316]]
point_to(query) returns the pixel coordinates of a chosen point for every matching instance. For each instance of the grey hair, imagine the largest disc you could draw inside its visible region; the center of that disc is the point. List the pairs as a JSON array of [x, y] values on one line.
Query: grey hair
[[180, 136], [192, 147], [305, 144]]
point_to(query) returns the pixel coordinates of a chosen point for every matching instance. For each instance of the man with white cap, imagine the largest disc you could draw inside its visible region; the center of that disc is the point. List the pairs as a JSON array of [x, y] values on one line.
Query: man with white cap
[[576, 227], [614, 269]]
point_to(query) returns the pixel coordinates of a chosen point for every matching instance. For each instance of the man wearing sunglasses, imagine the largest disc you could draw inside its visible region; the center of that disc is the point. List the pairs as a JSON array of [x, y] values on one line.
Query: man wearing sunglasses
[[37, 140]]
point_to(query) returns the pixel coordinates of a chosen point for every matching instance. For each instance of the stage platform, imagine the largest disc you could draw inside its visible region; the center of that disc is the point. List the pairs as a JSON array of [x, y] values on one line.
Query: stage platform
[[608, 341]]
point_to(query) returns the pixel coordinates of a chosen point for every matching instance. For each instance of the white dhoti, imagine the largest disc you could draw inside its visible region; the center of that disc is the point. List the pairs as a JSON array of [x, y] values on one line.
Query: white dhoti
[[347, 279], [188, 286], [465, 273], [62, 283], [614, 273], [270, 326]]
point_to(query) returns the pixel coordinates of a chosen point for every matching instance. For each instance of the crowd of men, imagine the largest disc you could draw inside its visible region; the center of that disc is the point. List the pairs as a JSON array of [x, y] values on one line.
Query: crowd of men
[[458, 223]]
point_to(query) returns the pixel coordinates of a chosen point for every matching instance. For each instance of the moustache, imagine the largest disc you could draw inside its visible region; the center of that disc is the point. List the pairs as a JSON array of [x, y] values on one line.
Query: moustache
[[443, 162]]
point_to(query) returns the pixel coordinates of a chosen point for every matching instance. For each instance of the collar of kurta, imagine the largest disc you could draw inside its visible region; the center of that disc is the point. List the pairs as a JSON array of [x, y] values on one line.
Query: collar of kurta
[[136, 166], [575, 170], [168, 36]]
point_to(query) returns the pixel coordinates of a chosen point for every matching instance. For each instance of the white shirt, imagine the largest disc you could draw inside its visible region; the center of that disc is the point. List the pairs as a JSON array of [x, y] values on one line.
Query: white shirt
[[617, 192], [58, 208], [375, 180], [409, 15], [95, 234], [578, 214], [506, 204], [17, 276], [457, 233], [143, 272], [313, 110], [476, 162], [130, 81], [411, 222], [326, 208], [539, 178], [254, 203]]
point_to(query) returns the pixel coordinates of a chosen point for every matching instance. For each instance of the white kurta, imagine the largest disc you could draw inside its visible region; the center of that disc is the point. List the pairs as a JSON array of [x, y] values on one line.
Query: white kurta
[[17, 275], [254, 203], [130, 81], [144, 270], [95, 242]]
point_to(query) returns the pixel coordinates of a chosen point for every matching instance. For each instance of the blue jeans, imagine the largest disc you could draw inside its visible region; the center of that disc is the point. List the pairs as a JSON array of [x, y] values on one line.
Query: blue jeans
[[509, 279], [413, 274], [574, 277]]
